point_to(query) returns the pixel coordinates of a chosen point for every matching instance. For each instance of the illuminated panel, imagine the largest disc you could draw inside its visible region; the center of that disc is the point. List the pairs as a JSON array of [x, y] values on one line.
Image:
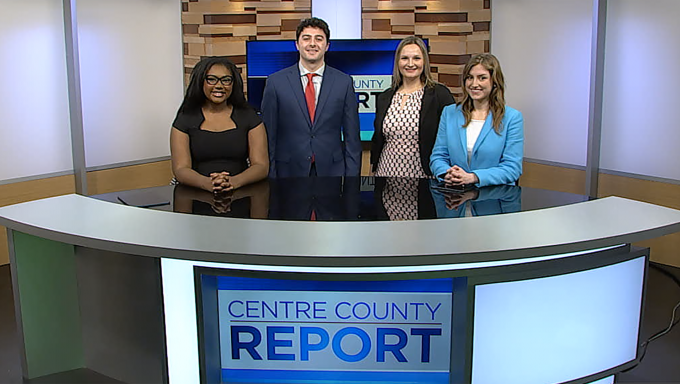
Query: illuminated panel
[[180, 306], [559, 328], [35, 138], [637, 29], [344, 331], [606, 380], [131, 76], [343, 17]]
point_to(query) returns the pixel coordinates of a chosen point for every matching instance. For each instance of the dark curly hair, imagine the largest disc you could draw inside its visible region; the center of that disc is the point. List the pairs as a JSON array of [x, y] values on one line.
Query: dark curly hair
[[194, 98], [313, 22]]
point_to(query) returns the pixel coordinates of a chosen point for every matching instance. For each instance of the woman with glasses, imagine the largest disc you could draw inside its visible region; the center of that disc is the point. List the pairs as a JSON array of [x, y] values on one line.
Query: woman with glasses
[[217, 141]]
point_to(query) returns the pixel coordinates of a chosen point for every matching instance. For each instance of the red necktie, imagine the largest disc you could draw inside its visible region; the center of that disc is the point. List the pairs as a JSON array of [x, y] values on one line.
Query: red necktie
[[310, 96]]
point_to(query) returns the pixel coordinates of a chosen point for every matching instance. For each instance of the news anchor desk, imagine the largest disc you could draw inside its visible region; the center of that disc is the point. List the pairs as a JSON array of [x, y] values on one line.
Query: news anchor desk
[[549, 291]]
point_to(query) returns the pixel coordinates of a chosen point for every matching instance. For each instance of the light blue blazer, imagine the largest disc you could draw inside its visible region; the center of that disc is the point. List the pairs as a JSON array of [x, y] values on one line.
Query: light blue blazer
[[496, 159]]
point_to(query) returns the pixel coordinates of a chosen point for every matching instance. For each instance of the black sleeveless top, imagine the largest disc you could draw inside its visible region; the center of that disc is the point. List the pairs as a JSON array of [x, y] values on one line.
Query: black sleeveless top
[[225, 151]]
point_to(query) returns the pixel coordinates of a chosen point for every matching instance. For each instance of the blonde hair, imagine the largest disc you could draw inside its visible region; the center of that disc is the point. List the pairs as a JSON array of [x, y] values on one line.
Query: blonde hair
[[426, 76], [497, 95]]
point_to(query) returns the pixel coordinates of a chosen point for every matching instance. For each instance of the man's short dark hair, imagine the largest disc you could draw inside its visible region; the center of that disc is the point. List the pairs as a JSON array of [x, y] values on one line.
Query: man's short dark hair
[[314, 22]]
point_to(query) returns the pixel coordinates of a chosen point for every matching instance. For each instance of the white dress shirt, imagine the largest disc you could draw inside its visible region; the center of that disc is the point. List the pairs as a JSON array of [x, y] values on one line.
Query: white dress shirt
[[316, 79], [472, 132]]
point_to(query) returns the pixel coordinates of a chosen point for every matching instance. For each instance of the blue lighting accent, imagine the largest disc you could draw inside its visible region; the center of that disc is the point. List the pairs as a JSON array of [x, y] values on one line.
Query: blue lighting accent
[[335, 377], [231, 283]]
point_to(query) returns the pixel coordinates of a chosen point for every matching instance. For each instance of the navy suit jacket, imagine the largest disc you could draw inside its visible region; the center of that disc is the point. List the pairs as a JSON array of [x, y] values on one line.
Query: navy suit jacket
[[331, 198], [293, 138]]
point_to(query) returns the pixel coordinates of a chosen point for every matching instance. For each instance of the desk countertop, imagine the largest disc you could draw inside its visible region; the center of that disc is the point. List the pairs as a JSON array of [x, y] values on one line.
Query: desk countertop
[[85, 221]]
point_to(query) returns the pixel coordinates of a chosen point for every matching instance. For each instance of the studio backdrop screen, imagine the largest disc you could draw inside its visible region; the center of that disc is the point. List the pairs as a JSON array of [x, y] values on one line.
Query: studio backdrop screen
[[369, 62]]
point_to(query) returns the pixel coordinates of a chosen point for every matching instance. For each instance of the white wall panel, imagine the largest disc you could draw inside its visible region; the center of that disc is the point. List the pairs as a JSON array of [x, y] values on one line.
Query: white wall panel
[[131, 75], [343, 17], [34, 128], [544, 50], [641, 132]]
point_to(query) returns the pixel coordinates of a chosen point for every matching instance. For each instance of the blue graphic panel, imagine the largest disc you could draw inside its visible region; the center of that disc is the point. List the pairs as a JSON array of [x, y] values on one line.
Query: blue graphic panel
[[372, 58], [309, 331]]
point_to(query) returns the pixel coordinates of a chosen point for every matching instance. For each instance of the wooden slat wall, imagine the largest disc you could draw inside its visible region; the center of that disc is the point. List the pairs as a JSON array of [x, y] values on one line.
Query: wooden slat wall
[[456, 29], [222, 27]]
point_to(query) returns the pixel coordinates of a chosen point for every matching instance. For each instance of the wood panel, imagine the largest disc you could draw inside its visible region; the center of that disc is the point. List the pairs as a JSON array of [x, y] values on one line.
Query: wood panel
[[132, 177], [655, 192], [110, 180], [36, 189], [666, 249], [553, 178], [455, 29], [222, 27], [31, 190]]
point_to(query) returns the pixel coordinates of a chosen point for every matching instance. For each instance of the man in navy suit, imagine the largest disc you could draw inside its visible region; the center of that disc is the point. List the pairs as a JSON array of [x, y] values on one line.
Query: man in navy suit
[[308, 109]]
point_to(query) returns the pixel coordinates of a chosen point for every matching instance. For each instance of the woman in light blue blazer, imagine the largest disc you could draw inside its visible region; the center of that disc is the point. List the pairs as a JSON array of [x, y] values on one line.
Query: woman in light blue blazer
[[480, 141]]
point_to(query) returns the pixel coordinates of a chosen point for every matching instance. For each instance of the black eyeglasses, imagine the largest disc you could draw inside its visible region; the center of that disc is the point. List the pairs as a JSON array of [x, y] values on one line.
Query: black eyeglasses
[[226, 80]]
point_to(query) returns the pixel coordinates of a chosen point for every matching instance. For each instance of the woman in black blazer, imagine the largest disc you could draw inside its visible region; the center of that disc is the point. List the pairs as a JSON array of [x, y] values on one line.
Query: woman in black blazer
[[407, 115]]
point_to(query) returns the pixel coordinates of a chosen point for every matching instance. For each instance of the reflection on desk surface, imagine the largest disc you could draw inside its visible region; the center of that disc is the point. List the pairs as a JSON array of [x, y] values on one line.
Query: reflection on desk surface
[[344, 199]]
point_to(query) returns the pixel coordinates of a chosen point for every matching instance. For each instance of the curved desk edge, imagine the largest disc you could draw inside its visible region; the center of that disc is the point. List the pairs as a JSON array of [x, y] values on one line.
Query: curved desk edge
[[87, 222]]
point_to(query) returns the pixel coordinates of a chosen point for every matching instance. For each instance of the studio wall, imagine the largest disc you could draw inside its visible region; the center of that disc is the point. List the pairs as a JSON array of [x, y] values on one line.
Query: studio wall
[[640, 132], [131, 80], [222, 27], [455, 29], [544, 47], [34, 133], [544, 50], [134, 52], [131, 66]]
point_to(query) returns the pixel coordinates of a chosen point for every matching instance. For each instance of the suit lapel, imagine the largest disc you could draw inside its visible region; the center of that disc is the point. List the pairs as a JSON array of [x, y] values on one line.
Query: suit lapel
[[462, 131], [326, 87], [296, 86], [426, 103]]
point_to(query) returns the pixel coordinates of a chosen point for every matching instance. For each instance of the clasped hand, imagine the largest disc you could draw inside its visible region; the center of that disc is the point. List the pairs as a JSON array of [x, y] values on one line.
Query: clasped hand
[[221, 182], [455, 200], [457, 176]]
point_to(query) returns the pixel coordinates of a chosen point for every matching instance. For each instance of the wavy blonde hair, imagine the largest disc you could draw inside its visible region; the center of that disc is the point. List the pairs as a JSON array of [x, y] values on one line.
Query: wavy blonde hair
[[497, 95]]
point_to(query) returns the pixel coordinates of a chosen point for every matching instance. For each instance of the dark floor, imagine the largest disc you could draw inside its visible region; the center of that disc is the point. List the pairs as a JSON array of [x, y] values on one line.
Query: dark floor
[[661, 364]]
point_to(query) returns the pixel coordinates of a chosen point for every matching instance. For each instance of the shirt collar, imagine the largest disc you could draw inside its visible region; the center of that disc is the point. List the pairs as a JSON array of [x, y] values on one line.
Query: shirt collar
[[304, 71]]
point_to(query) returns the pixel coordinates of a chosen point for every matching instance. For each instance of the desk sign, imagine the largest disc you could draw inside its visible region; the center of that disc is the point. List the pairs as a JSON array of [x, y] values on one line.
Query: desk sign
[[325, 331]]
